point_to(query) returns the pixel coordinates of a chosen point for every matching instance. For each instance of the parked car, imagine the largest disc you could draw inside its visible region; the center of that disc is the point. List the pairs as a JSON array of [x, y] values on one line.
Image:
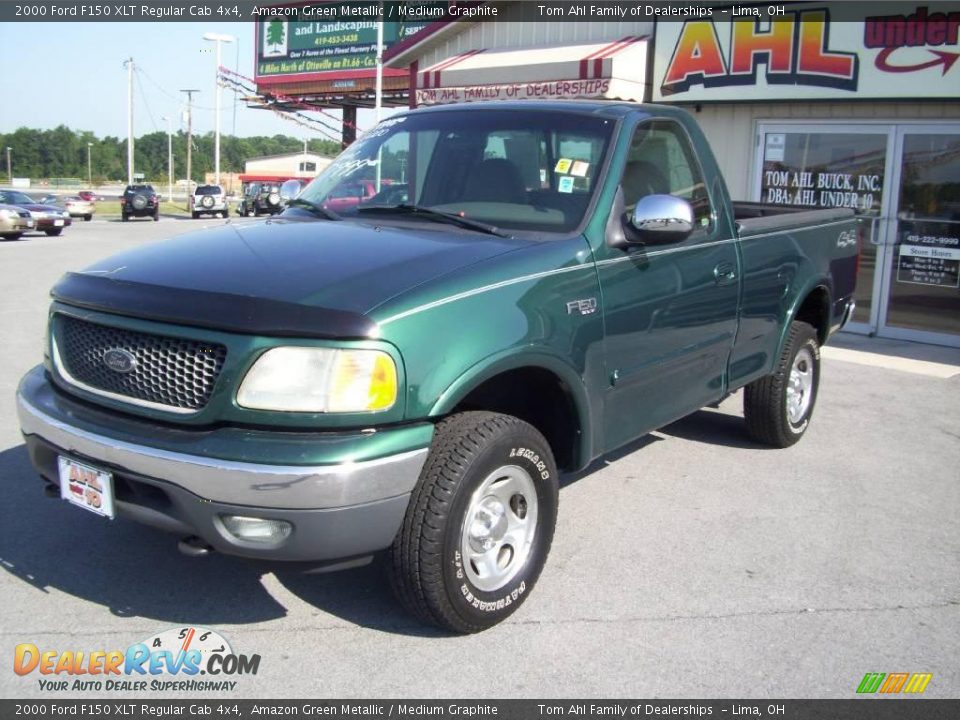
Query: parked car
[[349, 194], [139, 201], [87, 195], [14, 222], [48, 218], [410, 379], [209, 199], [260, 198], [75, 206]]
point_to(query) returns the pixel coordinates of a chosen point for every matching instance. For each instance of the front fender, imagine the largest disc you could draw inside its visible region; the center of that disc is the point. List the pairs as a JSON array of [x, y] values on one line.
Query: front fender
[[515, 359]]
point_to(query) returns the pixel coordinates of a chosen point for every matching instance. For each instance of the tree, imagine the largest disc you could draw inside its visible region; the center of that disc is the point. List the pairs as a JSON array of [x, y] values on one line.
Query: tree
[[275, 33]]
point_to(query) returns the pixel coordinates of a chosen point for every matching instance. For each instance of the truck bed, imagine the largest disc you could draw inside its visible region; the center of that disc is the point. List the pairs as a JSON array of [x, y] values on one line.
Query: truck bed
[[754, 218]]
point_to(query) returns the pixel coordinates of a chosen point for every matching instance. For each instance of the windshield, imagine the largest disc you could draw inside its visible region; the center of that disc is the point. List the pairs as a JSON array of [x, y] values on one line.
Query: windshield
[[525, 170], [12, 197]]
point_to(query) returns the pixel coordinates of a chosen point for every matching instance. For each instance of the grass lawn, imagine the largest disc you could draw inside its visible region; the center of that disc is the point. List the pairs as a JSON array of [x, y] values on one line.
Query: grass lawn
[[111, 208]]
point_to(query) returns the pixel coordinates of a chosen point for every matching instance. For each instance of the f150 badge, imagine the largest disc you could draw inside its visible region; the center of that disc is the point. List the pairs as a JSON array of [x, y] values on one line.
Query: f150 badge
[[587, 306]]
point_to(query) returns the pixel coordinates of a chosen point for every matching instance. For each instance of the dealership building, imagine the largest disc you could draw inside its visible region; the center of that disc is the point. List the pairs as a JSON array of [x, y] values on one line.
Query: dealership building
[[805, 110]]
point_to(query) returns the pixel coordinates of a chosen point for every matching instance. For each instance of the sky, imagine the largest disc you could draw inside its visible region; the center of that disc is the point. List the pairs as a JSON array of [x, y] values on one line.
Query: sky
[[72, 74]]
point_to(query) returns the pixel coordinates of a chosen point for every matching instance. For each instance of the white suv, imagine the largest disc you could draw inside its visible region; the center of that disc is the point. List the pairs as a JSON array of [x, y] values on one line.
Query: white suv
[[209, 199]]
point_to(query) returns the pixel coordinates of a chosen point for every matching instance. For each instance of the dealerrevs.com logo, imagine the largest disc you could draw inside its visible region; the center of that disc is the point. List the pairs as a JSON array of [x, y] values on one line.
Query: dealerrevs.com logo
[[172, 660]]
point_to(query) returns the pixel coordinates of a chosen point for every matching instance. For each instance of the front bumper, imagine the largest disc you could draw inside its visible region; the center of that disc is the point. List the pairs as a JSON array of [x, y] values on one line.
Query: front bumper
[[17, 224], [337, 511], [49, 223]]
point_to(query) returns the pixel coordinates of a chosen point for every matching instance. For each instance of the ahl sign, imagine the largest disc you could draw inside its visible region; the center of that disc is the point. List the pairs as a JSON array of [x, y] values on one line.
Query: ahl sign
[[802, 55]]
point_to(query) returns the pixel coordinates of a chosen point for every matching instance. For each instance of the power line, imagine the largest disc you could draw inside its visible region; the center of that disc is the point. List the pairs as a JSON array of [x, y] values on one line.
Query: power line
[[143, 96]]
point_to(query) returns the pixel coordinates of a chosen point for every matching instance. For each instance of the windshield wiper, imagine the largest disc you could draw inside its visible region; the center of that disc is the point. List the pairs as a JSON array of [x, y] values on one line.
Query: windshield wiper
[[435, 215], [317, 210]]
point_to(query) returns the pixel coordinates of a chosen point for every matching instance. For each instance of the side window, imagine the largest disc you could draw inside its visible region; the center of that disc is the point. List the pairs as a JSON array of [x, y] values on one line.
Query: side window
[[661, 162]]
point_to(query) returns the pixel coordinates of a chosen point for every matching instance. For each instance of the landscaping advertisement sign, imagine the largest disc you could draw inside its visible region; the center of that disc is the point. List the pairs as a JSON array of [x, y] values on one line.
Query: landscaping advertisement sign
[[331, 38]]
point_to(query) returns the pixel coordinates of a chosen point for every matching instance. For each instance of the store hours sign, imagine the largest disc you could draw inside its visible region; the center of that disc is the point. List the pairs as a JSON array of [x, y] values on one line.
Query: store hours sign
[[928, 259]]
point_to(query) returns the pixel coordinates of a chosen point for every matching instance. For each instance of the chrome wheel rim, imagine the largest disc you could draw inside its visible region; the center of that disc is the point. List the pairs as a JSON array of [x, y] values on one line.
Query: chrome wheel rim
[[800, 386], [499, 527]]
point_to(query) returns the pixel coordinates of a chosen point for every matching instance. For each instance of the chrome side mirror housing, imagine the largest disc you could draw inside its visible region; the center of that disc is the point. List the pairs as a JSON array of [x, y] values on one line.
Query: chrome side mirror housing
[[662, 219], [290, 189]]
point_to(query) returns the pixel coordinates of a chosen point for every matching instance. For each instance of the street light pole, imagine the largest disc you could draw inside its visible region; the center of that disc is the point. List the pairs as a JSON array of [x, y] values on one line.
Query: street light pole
[[169, 161], [218, 39], [9, 171], [89, 166]]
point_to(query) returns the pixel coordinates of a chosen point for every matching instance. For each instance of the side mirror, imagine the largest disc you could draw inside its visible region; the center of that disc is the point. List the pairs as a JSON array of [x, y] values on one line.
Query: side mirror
[[662, 219], [289, 190]]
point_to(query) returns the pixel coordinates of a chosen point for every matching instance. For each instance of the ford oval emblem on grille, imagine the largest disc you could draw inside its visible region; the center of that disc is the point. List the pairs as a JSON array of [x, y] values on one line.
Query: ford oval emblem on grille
[[120, 360]]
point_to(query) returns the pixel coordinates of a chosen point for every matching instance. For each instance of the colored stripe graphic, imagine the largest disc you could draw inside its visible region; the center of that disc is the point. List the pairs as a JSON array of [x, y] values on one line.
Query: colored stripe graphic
[[871, 682], [894, 682], [918, 682]]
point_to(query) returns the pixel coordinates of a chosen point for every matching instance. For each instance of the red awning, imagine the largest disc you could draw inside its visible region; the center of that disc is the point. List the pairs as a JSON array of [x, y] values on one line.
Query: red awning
[[612, 70]]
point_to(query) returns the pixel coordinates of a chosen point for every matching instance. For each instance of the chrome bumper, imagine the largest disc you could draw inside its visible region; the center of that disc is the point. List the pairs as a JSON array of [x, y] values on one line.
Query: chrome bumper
[[238, 483]]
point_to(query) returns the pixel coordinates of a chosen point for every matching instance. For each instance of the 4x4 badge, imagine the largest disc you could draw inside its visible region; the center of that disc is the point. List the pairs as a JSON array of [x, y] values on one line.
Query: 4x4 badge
[[120, 360]]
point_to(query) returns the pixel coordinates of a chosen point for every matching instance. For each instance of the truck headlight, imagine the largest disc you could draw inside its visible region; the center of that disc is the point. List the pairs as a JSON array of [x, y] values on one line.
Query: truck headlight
[[301, 379]]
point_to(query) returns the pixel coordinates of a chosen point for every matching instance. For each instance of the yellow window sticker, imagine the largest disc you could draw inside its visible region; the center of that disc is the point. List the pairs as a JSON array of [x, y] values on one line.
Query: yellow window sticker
[[563, 165], [580, 168]]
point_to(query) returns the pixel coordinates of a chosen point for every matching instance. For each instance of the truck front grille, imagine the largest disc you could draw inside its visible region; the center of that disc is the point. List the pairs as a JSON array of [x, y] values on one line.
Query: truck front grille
[[176, 373]]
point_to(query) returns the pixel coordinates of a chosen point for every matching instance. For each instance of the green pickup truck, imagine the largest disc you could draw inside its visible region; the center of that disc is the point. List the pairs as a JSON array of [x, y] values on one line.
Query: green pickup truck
[[531, 286]]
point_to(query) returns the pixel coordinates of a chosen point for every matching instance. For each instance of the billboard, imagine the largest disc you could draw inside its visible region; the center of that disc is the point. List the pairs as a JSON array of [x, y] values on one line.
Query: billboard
[[341, 41], [804, 55]]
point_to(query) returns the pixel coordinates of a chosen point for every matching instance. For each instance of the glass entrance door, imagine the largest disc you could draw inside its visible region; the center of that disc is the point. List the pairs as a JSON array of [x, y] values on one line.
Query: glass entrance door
[[921, 293], [835, 165]]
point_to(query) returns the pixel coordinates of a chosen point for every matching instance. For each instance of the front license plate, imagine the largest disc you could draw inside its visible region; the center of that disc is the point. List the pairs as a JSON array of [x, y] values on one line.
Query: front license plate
[[58, 223], [29, 223], [86, 487]]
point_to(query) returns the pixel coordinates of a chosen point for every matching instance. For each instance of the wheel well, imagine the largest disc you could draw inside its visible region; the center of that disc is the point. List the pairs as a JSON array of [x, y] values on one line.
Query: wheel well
[[536, 396], [815, 311]]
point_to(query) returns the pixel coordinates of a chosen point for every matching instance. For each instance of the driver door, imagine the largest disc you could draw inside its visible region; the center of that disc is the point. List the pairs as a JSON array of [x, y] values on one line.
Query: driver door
[[670, 309]]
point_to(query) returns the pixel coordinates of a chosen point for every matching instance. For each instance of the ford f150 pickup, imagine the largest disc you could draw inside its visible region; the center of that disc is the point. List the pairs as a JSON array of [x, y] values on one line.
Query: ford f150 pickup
[[534, 285]]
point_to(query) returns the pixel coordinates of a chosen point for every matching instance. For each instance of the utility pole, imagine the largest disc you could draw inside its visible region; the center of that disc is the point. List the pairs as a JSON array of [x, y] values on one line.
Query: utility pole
[[129, 64], [89, 166], [9, 171], [189, 138]]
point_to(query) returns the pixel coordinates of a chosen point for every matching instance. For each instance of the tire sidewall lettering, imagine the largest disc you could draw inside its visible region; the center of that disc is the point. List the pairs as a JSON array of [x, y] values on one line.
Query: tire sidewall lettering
[[471, 599], [814, 349]]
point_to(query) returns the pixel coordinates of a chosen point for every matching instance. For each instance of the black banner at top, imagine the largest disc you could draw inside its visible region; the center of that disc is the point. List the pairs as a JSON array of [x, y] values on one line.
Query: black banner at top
[[431, 11]]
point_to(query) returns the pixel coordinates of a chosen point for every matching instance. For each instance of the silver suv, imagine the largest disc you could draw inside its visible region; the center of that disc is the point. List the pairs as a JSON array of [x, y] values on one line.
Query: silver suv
[[209, 199]]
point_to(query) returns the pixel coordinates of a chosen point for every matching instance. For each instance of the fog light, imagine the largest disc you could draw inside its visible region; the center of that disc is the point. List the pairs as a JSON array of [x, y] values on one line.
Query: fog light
[[258, 530]]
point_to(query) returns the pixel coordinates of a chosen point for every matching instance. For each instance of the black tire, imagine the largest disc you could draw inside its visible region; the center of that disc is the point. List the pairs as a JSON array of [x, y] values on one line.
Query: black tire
[[194, 215], [55, 231], [87, 218], [766, 401], [125, 217], [12, 236], [156, 216], [428, 571]]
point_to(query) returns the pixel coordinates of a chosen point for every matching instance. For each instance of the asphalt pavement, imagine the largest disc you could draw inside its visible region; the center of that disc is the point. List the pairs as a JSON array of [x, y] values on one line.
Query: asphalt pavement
[[693, 563]]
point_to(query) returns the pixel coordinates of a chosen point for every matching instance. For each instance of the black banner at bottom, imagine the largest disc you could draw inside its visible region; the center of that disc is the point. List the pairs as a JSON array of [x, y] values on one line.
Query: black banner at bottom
[[854, 709]]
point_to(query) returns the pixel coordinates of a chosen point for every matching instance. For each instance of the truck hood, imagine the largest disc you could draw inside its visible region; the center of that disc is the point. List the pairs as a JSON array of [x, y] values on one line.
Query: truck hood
[[285, 276]]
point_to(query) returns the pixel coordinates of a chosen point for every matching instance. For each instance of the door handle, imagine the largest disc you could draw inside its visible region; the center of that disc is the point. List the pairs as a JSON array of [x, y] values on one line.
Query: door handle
[[725, 273]]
